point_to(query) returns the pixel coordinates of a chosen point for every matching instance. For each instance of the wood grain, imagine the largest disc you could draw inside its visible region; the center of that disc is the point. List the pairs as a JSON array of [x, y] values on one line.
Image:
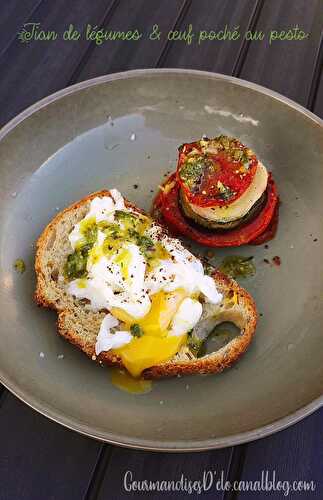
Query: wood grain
[[13, 15], [286, 66], [290, 68], [316, 97], [127, 467], [40, 459], [38, 68], [207, 15], [119, 55], [295, 454]]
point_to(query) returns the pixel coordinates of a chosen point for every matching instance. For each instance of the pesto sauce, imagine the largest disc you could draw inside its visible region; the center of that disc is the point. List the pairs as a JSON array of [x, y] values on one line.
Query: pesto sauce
[[136, 330], [217, 338], [129, 228], [20, 266], [196, 345], [201, 164], [237, 266], [225, 193], [89, 230], [192, 171], [75, 266], [231, 145]]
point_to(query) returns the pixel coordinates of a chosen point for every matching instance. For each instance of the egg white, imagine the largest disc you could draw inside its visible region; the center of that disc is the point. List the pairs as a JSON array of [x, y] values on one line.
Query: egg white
[[106, 339], [106, 286]]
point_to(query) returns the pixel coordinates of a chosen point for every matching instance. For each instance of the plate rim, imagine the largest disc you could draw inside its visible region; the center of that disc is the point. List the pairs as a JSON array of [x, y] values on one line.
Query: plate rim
[[126, 441]]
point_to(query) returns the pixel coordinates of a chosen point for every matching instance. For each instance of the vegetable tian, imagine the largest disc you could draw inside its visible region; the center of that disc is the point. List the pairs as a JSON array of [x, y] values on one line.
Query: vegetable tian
[[221, 195]]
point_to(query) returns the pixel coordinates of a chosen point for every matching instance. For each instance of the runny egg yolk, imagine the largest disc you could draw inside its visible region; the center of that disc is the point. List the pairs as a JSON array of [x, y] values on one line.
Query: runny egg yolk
[[163, 307], [117, 267], [155, 346], [155, 323], [147, 351]]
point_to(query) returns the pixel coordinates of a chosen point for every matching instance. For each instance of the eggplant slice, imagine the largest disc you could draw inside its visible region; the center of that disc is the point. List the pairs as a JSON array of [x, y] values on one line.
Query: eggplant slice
[[224, 226]]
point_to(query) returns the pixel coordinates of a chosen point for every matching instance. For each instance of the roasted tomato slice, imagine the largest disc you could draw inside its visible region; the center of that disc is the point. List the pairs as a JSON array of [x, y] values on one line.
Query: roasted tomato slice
[[166, 208], [270, 231], [215, 172]]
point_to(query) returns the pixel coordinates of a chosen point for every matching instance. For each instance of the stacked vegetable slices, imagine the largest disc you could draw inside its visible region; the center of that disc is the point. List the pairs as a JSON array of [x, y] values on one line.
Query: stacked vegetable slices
[[221, 195]]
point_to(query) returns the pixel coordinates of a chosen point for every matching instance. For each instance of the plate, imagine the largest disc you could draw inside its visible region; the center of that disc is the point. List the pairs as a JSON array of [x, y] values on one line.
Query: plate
[[123, 131]]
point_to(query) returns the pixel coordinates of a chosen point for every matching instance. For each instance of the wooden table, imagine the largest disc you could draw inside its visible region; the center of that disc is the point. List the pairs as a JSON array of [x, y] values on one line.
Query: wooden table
[[38, 458]]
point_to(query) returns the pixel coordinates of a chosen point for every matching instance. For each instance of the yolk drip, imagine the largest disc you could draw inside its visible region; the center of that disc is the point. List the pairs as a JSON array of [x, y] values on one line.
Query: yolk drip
[[122, 380], [155, 345], [147, 351]]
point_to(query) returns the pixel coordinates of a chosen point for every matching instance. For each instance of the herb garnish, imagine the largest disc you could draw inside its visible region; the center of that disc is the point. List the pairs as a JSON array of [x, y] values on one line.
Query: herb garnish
[[196, 345], [237, 266], [191, 172], [20, 266], [225, 193], [136, 330], [91, 234], [75, 266]]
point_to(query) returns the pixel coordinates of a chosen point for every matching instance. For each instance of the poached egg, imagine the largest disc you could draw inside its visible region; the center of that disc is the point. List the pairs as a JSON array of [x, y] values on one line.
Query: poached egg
[[150, 286]]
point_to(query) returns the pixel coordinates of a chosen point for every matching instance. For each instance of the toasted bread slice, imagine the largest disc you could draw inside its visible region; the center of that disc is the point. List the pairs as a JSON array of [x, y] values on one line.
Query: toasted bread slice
[[80, 325]]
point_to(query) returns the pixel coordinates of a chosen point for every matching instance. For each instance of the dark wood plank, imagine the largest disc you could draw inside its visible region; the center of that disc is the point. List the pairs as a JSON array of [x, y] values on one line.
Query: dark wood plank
[[40, 459], [295, 454], [206, 15], [286, 66], [38, 68], [316, 99], [13, 15], [318, 107], [2, 394], [48, 68], [125, 467], [121, 55]]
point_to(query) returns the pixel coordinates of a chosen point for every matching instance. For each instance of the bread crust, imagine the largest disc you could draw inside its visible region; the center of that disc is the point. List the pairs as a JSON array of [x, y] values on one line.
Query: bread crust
[[243, 313]]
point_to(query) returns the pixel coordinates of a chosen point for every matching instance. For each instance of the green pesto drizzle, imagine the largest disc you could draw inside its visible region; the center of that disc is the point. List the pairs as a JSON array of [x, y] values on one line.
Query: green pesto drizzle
[[237, 266]]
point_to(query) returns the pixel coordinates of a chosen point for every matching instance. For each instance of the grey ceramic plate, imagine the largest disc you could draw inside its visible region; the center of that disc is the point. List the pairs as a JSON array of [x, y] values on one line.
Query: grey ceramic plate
[[66, 146]]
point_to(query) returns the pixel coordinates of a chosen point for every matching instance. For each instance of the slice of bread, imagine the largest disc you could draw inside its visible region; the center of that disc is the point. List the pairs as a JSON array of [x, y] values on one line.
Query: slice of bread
[[80, 325]]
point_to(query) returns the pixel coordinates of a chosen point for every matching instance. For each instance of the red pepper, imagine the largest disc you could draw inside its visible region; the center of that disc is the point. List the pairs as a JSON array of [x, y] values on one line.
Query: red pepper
[[271, 230], [166, 208]]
